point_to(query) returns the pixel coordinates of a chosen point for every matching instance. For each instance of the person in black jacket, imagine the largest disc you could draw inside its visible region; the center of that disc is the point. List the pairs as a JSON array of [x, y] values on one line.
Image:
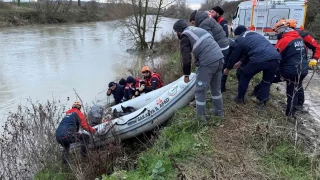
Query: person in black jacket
[[262, 56], [117, 91], [217, 13]]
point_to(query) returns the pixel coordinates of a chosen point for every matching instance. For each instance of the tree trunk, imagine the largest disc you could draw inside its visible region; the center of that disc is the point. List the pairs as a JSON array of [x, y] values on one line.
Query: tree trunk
[[79, 2], [155, 24], [144, 44]]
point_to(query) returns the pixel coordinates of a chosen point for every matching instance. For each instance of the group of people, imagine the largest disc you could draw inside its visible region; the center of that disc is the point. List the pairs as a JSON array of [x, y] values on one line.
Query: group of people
[[132, 87], [68, 129], [250, 53], [215, 55]]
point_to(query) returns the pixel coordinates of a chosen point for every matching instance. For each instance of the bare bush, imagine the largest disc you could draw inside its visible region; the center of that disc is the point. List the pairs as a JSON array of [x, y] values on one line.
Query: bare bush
[[28, 142], [178, 11], [47, 9]]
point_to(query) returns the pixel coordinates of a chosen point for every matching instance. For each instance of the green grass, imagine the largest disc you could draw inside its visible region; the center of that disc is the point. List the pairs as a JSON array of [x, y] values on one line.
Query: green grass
[[287, 163], [54, 172], [182, 139]]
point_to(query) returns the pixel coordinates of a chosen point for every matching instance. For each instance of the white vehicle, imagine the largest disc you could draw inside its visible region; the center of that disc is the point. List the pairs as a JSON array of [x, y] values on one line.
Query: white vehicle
[[261, 16]]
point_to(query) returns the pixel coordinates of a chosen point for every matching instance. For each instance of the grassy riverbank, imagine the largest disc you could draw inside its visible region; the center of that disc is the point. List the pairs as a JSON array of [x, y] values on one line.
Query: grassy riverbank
[[50, 12], [246, 144]]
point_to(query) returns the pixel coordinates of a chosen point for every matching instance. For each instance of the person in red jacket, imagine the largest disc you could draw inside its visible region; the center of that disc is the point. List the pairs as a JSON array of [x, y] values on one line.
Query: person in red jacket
[[294, 64], [67, 131], [152, 80], [308, 40]]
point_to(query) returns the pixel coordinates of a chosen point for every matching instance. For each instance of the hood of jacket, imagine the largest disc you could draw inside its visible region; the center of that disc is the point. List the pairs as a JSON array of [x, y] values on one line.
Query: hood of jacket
[[200, 16]]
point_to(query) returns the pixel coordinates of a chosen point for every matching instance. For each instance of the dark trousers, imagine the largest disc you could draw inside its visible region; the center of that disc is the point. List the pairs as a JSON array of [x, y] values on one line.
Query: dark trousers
[[268, 68], [295, 92], [225, 63], [224, 77], [65, 142], [276, 79]]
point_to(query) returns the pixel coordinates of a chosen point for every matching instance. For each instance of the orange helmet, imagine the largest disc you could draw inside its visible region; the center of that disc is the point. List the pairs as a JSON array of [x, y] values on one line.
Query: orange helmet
[[76, 104], [292, 23], [145, 68], [280, 24]]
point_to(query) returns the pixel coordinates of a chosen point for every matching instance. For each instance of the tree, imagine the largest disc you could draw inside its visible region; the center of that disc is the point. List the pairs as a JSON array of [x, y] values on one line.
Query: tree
[[210, 4], [138, 24]]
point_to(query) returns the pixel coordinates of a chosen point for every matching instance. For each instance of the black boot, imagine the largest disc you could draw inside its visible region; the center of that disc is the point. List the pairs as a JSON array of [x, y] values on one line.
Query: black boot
[[261, 105], [238, 100]]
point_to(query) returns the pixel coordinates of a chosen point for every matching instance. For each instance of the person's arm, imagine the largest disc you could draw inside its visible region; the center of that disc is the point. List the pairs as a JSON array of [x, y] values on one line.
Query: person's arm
[[186, 49], [313, 45], [109, 92], [235, 55], [224, 25], [83, 122], [154, 84], [281, 46]]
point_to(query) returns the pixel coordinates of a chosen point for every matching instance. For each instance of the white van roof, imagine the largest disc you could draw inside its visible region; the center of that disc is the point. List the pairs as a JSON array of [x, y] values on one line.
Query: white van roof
[[292, 2]]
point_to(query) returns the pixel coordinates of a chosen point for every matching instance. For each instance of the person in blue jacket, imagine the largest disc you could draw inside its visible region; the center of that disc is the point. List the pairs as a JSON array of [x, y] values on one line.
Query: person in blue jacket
[[262, 56], [117, 91]]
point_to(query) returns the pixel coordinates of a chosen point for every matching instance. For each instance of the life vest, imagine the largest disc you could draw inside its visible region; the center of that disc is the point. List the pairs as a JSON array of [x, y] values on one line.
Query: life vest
[[137, 84], [220, 19], [154, 75]]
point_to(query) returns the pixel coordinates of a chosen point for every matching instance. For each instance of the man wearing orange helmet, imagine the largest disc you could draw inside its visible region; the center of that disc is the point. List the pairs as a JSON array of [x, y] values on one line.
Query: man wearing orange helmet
[[294, 64], [67, 131], [152, 80], [308, 40]]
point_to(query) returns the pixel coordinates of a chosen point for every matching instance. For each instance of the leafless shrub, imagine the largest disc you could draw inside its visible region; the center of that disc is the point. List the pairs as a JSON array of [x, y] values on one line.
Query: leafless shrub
[[28, 141]]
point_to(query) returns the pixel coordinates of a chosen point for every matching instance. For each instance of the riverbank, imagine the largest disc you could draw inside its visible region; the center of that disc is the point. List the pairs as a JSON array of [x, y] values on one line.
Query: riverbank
[[62, 12], [246, 144]]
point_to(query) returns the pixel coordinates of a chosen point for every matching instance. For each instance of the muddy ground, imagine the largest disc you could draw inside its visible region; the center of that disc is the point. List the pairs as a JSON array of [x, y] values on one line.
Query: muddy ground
[[309, 117]]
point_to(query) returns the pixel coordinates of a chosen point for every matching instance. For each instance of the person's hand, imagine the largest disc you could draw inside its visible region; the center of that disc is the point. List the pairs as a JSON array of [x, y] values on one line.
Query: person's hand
[[186, 79], [137, 93], [237, 65], [141, 88], [226, 71], [100, 130], [133, 97], [109, 91], [313, 63]]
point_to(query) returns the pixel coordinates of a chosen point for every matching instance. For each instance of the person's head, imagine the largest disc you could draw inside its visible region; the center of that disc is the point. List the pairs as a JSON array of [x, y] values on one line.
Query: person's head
[[216, 12], [281, 27], [146, 72], [179, 27], [112, 86], [122, 82], [239, 30], [193, 17], [77, 105], [130, 80]]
